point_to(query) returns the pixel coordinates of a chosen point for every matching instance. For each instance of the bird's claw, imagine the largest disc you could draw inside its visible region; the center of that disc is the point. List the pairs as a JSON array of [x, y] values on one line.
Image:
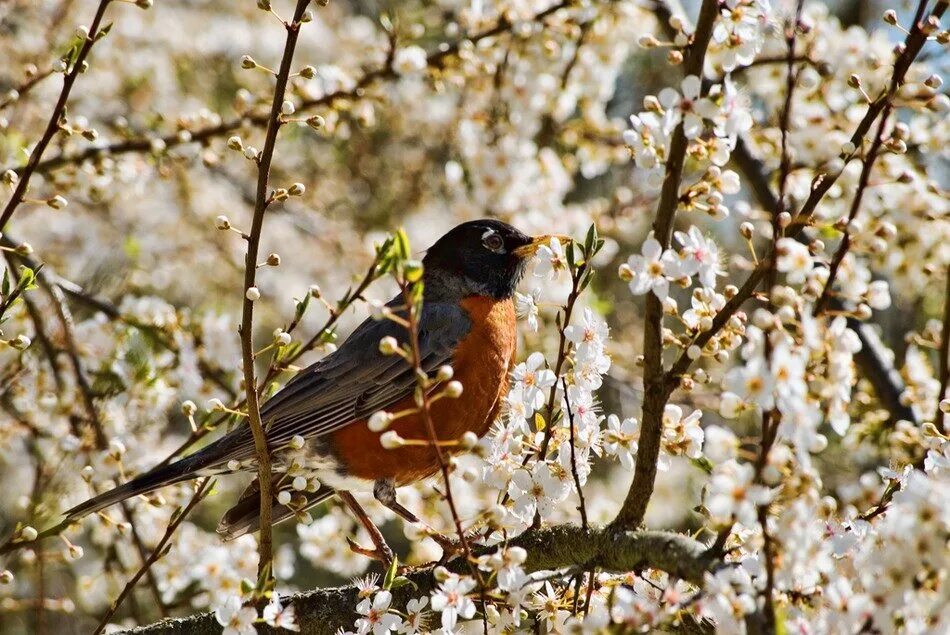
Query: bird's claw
[[381, 552], [451, 547]]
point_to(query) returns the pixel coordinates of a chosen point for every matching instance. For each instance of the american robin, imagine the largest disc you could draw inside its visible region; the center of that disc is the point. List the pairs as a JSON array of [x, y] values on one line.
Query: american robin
[[467, 321]]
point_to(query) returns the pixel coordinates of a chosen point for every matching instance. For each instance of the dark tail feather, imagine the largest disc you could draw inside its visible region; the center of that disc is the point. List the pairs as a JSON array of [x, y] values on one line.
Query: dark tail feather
[[244, 517], [182, 470]]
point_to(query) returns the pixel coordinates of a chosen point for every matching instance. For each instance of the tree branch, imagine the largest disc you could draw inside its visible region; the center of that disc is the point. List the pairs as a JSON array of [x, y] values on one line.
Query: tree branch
[[656, 394], [59, 111], [263, 200], [564, 546], [436, 60]]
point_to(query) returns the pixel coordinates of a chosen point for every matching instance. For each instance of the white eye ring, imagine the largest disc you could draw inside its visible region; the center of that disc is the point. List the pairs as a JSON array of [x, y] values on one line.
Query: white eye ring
[[493, 241]]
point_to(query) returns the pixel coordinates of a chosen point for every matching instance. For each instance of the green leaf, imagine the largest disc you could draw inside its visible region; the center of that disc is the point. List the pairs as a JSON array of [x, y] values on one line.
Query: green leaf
[[590, 239], [403, 250], [301, 307], [401, 581], [104, 31], [391, 574]]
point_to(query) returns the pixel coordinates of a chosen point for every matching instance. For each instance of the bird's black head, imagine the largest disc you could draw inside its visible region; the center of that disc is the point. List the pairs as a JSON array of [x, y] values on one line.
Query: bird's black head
[[480, 257]]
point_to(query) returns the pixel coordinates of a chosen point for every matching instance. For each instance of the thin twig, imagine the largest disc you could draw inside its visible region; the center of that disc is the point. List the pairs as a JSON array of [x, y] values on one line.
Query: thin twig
[[26, 86], [912, 46], [55, 118], [436, 60], [772, 418], [944, 363], [204, 488], [867, 166], [577, 479], [265, 544]]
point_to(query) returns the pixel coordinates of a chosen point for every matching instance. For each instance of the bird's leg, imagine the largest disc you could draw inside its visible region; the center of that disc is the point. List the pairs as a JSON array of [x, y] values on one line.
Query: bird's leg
[[384, 490], [381, 552]]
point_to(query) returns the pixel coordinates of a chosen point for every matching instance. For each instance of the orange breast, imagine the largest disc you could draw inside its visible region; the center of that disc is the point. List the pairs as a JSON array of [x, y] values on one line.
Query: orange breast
[[481, 362]]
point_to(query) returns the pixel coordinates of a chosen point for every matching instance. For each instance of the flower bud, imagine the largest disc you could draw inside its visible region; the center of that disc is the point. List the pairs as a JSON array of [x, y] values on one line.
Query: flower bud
[[379, 421], [253, 294], [297, 442], [222, 222], [235, 143], [283, 498], [20, 342], [57, 202], [283, 339], [297, 189], [308, 72], [391, 440], [388, 345], [28, 533], [273, 260], [215, 405], [747, 229], [468, 440], [287, 108], [453, 389], [299, 483], [444, 373], [413, 270], [316, 122], [188, 408], [890, 17], [247, 62]]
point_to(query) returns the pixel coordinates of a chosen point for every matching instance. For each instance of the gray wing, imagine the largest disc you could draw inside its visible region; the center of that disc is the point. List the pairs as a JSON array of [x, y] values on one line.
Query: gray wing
[[354, 381]]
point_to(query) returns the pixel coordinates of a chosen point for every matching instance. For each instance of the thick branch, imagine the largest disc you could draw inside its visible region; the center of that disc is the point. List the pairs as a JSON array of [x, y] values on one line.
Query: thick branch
[[565, 546], [634, 508]]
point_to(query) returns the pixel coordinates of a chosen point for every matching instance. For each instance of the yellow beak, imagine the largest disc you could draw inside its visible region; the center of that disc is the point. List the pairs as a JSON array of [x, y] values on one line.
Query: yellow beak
[[531, 248]]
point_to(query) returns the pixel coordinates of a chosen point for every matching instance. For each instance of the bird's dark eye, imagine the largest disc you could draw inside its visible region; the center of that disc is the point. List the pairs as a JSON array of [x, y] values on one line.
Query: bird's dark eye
[[493, 242]]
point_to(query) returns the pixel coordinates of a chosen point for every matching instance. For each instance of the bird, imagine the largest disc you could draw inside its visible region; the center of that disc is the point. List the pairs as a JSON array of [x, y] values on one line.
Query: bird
[[467, 321]]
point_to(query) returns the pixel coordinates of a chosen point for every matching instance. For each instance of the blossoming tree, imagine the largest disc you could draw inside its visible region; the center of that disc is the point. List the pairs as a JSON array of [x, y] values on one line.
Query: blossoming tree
[[729, 409]]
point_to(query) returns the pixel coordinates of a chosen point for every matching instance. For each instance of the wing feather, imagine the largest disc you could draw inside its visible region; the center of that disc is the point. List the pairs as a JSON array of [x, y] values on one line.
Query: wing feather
[[354, 381]]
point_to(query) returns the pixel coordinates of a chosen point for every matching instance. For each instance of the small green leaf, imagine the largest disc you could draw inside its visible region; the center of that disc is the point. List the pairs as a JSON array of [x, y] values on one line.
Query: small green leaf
[[391, 574]]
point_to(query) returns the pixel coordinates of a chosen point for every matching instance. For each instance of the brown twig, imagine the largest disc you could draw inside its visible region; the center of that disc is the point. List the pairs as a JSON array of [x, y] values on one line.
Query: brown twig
[[944, 359], [323, 611], [910, 49], [577, 479], [436, 60], [54, 122], [204, 488], [424, 409], [656, 394], [772, 418], [26, 86], [867, 165], [265, 545]]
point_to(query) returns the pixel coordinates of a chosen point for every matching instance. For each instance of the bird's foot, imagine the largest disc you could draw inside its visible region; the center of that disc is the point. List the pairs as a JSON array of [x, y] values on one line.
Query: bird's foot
[[451, 545], [380, 552]]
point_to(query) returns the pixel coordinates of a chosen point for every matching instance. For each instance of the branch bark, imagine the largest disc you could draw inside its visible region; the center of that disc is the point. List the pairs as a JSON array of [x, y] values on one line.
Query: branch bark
[[654, 380], [565, 546]]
